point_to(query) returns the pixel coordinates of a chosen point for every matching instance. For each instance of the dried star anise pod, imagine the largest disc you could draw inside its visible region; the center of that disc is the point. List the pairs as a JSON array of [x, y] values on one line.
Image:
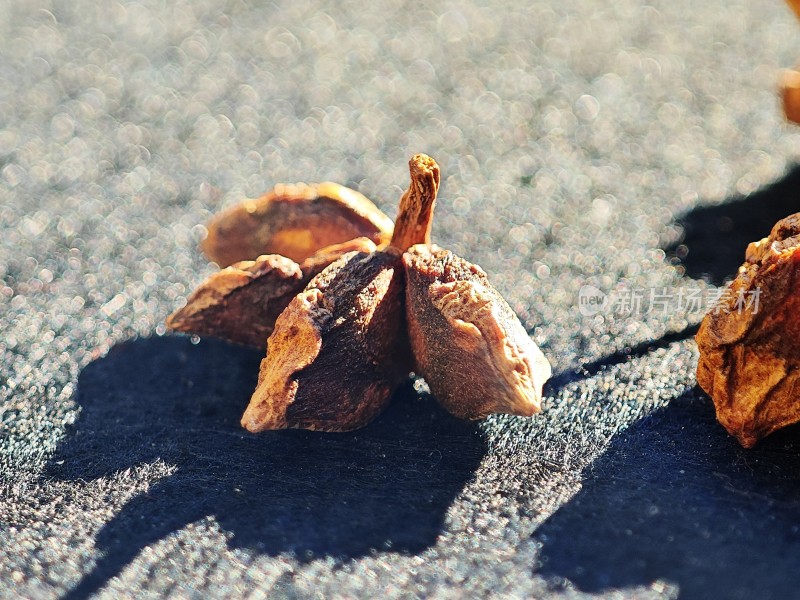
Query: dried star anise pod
[[790, 82], [750, 342], [790, 92], [294, 221], [467, 342], [331, 361], [240, 303], [351, 320]]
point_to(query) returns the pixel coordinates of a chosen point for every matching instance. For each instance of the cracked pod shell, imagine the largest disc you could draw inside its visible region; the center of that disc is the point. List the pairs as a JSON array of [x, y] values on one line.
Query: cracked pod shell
[[466, 341], [241, 303], [332, 361], [750, 351], [294, 221]]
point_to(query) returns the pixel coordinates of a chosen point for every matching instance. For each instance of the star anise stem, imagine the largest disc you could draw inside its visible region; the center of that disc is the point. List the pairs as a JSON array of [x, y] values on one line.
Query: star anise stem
[[415, 215]]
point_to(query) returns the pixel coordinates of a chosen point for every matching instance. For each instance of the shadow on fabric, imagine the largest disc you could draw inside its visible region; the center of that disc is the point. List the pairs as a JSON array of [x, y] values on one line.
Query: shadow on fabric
[[715, 237], [674, 498], [386, 487]]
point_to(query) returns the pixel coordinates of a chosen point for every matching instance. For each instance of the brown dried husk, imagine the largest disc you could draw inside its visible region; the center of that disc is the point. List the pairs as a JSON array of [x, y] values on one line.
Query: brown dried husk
[[294, 221], [750, 351]]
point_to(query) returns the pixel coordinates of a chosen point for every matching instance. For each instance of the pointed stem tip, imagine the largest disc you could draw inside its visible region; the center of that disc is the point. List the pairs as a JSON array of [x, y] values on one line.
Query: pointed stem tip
[[415, 215]]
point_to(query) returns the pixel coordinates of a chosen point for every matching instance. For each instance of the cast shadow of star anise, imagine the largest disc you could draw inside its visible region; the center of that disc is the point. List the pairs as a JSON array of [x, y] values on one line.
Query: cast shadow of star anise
[[674, 501], [386, 487], [747, 341], [712, 239]]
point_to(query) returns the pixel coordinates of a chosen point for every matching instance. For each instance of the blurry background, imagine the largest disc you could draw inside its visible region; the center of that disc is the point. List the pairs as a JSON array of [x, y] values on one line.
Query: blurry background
[[580, 142]]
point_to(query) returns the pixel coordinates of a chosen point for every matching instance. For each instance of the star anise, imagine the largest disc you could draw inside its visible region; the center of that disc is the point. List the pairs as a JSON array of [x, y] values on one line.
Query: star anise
[[750, 342], [348, 321], [790, 82]]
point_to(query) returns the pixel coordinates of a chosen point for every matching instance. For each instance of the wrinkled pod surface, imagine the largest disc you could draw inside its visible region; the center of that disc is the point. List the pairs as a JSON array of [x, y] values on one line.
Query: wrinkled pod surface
[[749, 343], [340, 347], [345, 323]]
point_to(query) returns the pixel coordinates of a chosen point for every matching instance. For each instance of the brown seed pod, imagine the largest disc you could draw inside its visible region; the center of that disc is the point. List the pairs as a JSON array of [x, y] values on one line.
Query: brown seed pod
[[790, 82], [241, 303], [337, 325], [340, 347], [331, 361], [750, 342], [467, 342], [294, 221], [790, 94], [795, 6]]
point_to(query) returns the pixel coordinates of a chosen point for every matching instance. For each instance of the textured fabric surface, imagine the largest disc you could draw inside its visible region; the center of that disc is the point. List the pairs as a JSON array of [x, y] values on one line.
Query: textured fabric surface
[[629, 146]]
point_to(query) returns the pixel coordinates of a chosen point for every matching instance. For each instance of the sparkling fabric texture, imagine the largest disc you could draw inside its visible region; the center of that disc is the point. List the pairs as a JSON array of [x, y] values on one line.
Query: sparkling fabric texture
[[627, 146]]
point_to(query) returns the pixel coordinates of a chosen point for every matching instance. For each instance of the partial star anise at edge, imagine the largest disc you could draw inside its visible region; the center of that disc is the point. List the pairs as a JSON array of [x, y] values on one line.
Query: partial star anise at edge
[[750, 342], [350, 319], [790, 82]]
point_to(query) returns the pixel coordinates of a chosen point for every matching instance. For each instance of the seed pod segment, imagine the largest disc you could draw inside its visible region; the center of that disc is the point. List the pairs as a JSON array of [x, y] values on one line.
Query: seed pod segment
[[294, 221], [467, 342], [241, 303], [329, 363]]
